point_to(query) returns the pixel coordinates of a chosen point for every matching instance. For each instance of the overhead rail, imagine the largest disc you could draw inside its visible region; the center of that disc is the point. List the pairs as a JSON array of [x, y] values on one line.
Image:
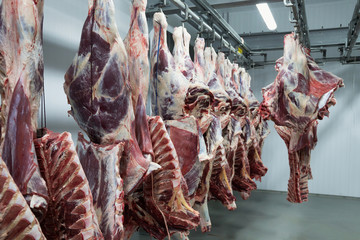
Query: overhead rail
[[203, 5], [353, 33], [202, 26], [298, 17]]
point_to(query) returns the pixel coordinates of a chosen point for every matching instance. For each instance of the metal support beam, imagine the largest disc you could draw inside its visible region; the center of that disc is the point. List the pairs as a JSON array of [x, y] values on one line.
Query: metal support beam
[[203, 5], [353, 33], [244, 3], [272, 41], [299, 18]]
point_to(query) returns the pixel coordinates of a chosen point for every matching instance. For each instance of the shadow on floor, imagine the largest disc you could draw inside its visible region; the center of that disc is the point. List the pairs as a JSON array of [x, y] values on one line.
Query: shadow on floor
[[268, 215]]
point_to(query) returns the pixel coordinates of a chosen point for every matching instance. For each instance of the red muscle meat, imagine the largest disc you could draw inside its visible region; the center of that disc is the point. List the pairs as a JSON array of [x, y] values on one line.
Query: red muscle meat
[[71, 213], [184, 134], [301, 94], [21, 87], [17, 220], [96, 83]]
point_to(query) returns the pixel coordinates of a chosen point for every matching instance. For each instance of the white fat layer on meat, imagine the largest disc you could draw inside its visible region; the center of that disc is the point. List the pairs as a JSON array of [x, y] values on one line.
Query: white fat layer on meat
[[188, 124], [203, 154], [199, 60], [36, 201], [324, 99]]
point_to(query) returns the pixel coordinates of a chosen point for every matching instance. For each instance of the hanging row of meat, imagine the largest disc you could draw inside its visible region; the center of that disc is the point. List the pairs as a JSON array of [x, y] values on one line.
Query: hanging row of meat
[[157, 172]]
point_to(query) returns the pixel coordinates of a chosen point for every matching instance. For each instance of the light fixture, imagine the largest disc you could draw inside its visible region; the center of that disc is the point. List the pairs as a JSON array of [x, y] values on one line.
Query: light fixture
[[267, 15]]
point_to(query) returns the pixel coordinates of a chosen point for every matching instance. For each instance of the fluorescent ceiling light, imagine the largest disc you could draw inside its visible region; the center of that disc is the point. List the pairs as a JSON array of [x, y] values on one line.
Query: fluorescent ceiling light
[[267, 15]]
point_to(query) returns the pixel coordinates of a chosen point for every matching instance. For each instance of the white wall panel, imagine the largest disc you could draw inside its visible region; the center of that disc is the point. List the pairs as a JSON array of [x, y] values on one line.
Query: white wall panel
[[335, 161]]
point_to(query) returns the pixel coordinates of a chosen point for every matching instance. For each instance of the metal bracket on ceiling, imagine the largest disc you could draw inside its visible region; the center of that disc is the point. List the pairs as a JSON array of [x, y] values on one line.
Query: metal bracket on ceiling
[[297, 16], [353, 33]]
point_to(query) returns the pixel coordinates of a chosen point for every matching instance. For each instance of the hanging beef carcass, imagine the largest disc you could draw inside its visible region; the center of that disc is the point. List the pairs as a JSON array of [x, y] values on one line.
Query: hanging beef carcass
[[137, 47], [238, 105], [17, 220], [300, 95], [198, 97], [166, 190], [257, 125], [220, 188], [96, 83], [136, 213], [194, 164], [21, 54], [260, 131], [222, 101], [21, 84], [98, 90], [101, 164], [233, 131], [221, 171], [71, 213], [169, 83], [182, 59]]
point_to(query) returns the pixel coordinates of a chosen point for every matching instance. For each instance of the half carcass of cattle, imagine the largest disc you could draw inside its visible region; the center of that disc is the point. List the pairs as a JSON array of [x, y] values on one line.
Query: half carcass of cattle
[[21, 54], [17, 220], [256, 124], [71, 213], [96, 84], [195, 164], [300, 95], [238, 105], [169, 85], [101, 164], [137, 47], [198, 97], [222, 101], [166, 189], [232, 131], [21, 85], [97, 87], [220, 187]]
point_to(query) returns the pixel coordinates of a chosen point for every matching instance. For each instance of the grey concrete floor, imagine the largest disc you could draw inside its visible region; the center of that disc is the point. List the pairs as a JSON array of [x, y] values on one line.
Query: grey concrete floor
[[268, 215]]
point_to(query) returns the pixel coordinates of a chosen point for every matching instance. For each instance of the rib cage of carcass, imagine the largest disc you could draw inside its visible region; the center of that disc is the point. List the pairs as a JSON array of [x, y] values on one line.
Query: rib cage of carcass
[[300, 95]]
